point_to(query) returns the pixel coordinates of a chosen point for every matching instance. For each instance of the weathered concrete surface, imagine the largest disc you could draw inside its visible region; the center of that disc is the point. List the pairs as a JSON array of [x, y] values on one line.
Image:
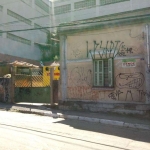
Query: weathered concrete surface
[[122, 108], [126, 90]]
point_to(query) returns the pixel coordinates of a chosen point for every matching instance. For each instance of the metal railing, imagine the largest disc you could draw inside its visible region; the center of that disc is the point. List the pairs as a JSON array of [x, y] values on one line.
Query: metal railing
[[31, 77]]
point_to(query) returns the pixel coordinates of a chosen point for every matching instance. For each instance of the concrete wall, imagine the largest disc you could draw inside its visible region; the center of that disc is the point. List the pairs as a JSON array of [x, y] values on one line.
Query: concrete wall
[[130, 93], [129, 82], [35, 15], [96, 11], [5, 88]]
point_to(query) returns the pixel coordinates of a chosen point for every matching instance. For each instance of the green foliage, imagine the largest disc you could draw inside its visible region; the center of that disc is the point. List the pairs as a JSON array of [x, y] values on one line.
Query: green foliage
[[50, 49]]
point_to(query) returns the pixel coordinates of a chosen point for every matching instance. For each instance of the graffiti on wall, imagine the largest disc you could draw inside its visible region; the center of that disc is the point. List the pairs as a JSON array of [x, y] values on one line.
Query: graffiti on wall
[[129, 80], [143, 93], [110, 49], [4, 88], [129, 85], [115, 95], [76, 52], [140, 36], [81, 76], [80, 86], [83, 92], [106, 47], [129, 95]]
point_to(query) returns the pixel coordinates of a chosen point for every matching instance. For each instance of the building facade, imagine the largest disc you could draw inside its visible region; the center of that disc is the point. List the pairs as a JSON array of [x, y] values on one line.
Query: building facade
[[24, 15], [104, 46], [74, 10], [31, 14], [105, 63]]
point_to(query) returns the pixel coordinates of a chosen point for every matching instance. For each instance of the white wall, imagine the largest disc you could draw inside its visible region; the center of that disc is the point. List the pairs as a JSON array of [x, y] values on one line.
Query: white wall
[[98, 10], [29, 10]]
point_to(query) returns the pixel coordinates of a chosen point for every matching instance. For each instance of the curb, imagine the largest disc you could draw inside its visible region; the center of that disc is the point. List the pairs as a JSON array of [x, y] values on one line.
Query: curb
[[81, 118]]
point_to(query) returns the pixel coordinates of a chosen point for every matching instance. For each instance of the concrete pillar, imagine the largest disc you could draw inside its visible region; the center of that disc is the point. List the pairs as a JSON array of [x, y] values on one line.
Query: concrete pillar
[[13, 69], [63, 67]]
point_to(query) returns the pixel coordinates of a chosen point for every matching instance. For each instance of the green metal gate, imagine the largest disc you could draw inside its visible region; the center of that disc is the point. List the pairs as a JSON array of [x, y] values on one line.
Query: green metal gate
[[31, 85]]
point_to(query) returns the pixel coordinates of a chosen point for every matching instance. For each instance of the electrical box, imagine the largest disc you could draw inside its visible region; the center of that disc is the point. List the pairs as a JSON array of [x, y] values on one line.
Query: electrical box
[[46, 75]]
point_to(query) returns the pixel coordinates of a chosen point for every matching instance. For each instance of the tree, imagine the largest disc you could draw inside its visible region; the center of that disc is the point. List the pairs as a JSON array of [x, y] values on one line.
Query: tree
[[51, 48]]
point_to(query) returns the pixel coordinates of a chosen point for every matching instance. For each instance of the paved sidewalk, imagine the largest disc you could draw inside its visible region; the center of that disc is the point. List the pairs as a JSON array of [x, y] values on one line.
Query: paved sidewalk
[[127, 121]]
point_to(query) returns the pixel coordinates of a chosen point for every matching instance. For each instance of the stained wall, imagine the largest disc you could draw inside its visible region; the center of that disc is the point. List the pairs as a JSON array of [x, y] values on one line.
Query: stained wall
[[127, 45]]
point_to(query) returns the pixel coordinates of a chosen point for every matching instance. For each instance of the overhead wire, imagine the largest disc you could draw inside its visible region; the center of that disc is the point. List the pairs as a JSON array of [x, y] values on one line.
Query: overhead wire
[[58, 15], [74, 24], [50, 15]]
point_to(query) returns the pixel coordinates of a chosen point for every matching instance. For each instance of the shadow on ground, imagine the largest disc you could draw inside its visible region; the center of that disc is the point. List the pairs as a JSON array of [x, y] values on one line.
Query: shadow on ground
[[138, 135]]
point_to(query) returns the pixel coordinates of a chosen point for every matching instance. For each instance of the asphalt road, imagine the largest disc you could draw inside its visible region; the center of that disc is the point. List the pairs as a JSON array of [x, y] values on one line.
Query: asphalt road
[[32, 132]]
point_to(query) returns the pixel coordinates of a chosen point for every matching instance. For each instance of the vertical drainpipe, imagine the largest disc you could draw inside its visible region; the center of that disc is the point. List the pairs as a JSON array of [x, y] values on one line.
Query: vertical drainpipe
[[148, 51], [147, 75], [63, 68], [65, 65]]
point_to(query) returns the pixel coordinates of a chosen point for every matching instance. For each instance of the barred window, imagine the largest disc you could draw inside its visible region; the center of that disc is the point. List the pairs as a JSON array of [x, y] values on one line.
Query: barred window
[[18, 39], [103, 73], [62, 9], [106, 2], [1, 8], [20, 18], [42, 5], [43, 30], [84, 4]]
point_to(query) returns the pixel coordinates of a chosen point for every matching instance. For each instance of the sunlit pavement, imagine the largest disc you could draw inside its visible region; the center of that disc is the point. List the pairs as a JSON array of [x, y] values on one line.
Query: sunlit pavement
[[32, 132]]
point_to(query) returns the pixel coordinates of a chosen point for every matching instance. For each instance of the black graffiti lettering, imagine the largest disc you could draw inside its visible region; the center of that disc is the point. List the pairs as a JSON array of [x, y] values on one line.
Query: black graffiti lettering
[[101, 45], [100, 55], [112, 96], [115, 95], [130, 80], [121, 53], [121, 50], [129, 50], [95, 47], [143, 93], [109, 47], [117, 42], [129, 96]]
